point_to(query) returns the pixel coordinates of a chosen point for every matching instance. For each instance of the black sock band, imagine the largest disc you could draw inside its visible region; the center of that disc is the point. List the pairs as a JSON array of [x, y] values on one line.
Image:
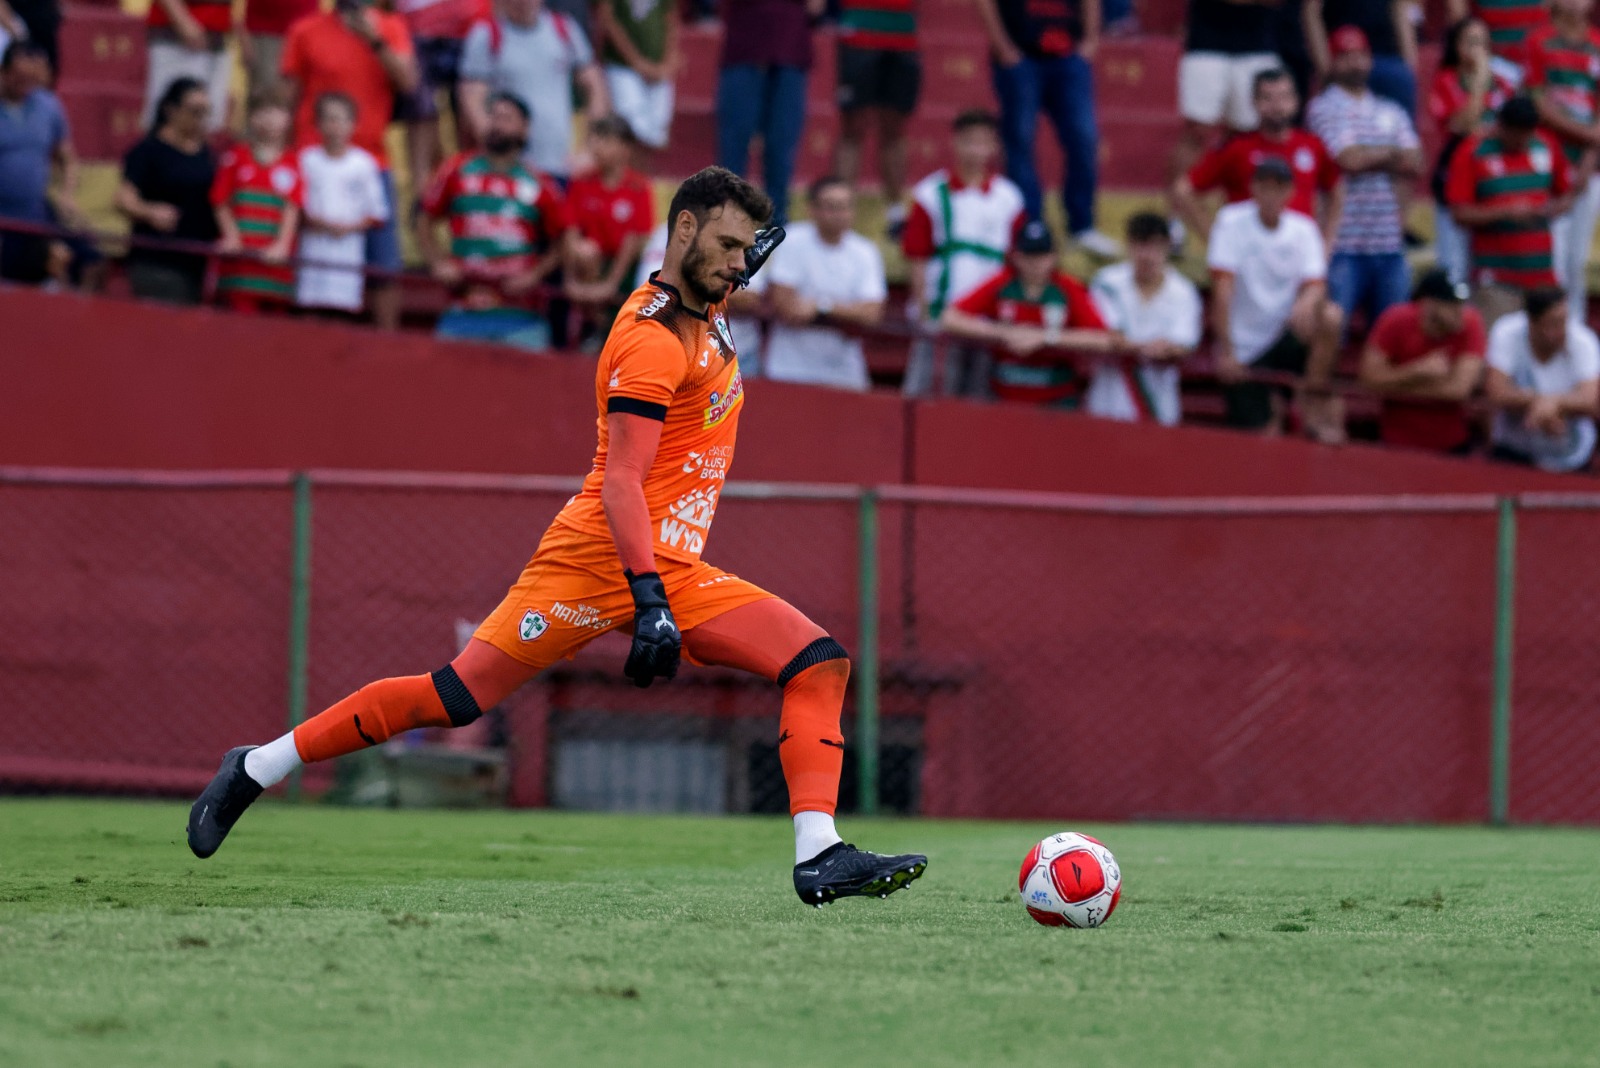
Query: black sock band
[[459, 704], [819, 651]]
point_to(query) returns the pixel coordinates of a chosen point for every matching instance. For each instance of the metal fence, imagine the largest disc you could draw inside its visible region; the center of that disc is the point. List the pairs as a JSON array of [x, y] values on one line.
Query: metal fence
[[1016, 655]]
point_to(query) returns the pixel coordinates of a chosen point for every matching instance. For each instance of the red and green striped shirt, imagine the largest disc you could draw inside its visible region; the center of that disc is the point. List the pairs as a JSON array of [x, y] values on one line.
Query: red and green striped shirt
[[889, 25], [1483, 173], [1510, 22], [1567, 73], [1041, 377], [501, 220], [259, 195]]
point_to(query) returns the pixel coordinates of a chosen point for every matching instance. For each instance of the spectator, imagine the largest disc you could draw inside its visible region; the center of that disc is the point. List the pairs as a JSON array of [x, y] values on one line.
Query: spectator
[[538, 56], [507, 234], [258, 197], [189, 39], [345, 201], [611, 211], [1031, 314], [960, 225], [827, 283], [1391, 37], [1270, 309], [880, 76], [1230, 166], [166, 193], [766, 58], [366, 55], [1509, 22], [1157, 313], [35, 148], [1544, 385], [1563, 76], [438, 29], [1466, 93], [1504, 187], [1376, 146], [38, 22], [262, 33], [1425, 359], [639, 43], [1042, 56], [1226, 44]]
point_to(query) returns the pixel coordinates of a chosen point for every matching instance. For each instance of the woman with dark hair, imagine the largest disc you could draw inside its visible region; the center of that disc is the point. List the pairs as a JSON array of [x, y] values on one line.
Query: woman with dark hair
[[1466, 93], [166, 193]]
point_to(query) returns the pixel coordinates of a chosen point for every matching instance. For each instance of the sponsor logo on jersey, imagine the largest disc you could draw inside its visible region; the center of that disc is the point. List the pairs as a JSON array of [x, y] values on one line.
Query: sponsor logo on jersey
[[710, 463], [687, 521], [725, 401], [533, 625], [579, 615], [661, 300]]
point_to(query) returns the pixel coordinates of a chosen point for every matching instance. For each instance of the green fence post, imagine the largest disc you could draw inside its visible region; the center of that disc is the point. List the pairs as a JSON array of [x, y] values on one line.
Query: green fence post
[[866, 660], [299, 610], [1505, 589]]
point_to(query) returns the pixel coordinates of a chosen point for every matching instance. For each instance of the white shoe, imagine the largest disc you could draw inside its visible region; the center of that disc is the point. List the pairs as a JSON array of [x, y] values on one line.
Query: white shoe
[[1097, 244]]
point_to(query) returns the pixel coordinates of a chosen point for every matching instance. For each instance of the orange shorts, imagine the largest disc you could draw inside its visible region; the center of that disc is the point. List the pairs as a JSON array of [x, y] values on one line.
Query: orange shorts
[[573, 591]]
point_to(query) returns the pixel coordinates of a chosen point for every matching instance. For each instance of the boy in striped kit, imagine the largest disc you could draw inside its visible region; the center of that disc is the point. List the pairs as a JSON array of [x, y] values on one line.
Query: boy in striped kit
[[258, 196]]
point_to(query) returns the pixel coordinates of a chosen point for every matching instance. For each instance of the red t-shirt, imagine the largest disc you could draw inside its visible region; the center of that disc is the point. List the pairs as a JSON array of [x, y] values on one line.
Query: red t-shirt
[[1484, 172], [608, 216], [260, 196], [274, 17], [214, 15], [1231, 165], [323, 55], [1436, 425], [1041, 377]]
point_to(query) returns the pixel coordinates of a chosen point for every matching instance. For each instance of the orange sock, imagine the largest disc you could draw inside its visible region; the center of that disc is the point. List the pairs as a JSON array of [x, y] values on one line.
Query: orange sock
[[372, 714], [810, 746]]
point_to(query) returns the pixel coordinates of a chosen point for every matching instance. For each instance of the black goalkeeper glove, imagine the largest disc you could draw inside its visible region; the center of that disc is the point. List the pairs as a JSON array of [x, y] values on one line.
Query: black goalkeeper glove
[[656, 642], [766, 242]]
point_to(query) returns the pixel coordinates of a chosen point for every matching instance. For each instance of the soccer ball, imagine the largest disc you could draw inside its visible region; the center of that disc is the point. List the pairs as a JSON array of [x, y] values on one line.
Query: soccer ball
[[1070, 880]]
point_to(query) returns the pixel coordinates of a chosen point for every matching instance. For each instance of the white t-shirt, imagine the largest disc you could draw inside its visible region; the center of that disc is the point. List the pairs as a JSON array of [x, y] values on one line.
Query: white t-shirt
[[845, 273], [745, 330], [982, 219], [346, 191], [1269, 268], [1123, 391], [1510, 354]]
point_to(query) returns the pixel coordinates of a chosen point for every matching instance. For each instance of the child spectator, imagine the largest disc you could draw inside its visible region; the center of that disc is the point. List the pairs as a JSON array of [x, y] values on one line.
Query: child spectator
[[1463, 99], [1544, 385], [344, 199], [1157, 312], [880, 76], [639, 47], [611, 210], [1029, 313], [507, 234], [258, 198]]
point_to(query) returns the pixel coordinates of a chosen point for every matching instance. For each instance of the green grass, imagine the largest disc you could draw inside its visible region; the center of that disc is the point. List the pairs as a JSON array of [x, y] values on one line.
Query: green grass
[[342, 937]]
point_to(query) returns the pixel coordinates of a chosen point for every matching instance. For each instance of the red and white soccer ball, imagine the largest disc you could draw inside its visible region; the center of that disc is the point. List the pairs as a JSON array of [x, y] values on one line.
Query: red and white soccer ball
[[1070, 880]]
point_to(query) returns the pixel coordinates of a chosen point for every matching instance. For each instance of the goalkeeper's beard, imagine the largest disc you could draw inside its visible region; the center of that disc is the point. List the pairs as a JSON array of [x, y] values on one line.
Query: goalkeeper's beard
[[695, 264]]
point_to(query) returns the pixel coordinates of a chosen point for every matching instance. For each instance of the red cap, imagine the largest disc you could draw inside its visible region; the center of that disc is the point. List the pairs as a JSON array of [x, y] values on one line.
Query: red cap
[[1348, 39]]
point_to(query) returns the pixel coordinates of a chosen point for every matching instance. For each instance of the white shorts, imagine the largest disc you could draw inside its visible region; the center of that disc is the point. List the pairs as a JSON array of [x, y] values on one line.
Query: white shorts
[[646, 105], [170, 61], [1215, 88]]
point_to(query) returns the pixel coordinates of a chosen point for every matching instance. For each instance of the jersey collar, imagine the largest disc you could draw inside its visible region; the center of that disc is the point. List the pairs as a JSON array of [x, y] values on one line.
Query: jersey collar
[[655, 280], [956, 184]]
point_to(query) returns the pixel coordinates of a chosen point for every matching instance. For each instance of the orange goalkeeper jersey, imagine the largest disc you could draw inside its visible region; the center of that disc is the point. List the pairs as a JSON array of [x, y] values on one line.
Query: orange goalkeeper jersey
[[666, 362]]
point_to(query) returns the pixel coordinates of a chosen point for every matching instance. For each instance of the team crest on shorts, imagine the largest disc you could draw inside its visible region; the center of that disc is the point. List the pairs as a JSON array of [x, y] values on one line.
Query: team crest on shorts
[[533, 625]]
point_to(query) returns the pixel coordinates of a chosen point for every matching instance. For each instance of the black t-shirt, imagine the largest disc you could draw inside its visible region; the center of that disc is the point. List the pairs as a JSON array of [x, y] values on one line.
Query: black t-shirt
[[164, 175], [1042, 28], [1375, 17], [1236, 29]]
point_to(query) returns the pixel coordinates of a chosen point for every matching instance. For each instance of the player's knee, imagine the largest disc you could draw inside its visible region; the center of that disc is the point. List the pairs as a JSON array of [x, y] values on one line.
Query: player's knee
[[459, 704], [824, 650]]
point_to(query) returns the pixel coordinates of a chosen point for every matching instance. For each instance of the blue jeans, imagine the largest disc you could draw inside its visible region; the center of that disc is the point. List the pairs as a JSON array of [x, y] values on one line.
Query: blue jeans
[[1393, 80], [771, 100], [1064, 88], [383, 240], [1373, 281]]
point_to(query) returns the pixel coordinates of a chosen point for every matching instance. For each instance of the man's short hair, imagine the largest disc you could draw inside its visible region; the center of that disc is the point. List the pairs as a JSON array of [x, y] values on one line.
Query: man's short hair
[[504, 97], [22, 48], [1148, 226], [614, 125], [1266, 77], [1519, 113], [702, 193], [1540, 299], [335, 99], [823, 184], [973, 118]]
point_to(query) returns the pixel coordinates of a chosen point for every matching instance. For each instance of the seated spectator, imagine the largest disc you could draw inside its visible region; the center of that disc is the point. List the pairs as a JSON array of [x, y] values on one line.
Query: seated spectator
[[1229, 167], [507, 234], [166, 193], [825, 277], [880, 78], [189, 39], [1157, 313], [611, 210], [438, 31], [262, 33], [345, 201], [1505, 186], [538, 56], [1392, 36], [1425, 359], [639, 45], [1032, 316], [1465, 95], [1270, 309], [961, 223], [258, 197], [1544, 385]]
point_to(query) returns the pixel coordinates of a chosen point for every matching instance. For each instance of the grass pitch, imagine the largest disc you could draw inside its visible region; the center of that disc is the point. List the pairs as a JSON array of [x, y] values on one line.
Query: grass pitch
[[341, 937]]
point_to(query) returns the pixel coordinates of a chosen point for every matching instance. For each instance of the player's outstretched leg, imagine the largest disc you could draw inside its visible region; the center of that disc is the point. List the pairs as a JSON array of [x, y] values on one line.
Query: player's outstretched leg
[[761, 637]]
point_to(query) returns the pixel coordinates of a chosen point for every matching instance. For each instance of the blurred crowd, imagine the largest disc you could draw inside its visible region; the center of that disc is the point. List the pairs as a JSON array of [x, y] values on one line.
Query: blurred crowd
[[1297, 170]]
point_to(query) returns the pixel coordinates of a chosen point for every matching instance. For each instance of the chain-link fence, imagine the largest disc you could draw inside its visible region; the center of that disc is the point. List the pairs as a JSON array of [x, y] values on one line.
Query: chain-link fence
[[1016, 655]]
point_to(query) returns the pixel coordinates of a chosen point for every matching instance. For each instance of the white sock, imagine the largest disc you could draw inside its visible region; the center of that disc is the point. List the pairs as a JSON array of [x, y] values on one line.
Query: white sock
[[813, 832], [268, 764]]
